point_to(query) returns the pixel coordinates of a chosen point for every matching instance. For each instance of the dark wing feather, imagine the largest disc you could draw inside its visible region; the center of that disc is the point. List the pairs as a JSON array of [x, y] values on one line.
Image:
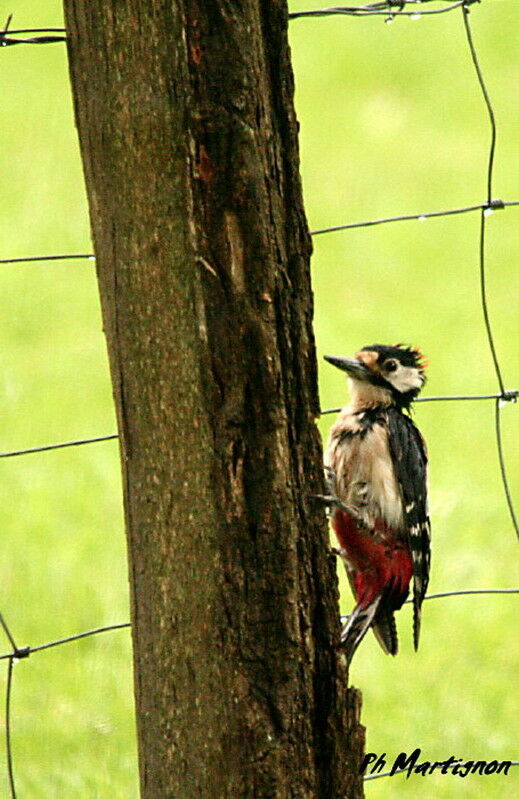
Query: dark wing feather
[[384, 628], [409, 457]]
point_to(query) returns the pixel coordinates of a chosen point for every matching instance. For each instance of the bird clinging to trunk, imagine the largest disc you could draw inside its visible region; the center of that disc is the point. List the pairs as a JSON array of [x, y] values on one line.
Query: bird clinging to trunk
[[376, 463]]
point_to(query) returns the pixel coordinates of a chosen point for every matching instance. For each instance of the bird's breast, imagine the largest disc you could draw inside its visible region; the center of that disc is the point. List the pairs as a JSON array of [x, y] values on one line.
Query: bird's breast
[[365, 476]]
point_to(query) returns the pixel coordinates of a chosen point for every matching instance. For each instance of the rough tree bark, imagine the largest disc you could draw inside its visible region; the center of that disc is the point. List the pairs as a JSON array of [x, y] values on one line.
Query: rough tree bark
[[189, 143]]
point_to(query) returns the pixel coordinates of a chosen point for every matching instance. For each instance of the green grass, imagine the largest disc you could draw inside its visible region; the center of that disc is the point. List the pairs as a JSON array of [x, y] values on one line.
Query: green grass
[[391, 122]]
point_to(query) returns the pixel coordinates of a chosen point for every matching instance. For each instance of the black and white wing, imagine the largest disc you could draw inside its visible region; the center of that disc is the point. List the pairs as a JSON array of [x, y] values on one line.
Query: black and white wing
[[409, 457]]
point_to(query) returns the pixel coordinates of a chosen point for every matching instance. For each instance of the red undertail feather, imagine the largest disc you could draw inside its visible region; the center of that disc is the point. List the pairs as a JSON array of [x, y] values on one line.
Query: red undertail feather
[[380, 572]]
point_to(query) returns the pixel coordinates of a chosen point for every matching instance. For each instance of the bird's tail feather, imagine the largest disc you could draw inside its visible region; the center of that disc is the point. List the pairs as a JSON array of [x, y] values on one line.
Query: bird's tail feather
[[359, 622], [417, 617], [384, 627]]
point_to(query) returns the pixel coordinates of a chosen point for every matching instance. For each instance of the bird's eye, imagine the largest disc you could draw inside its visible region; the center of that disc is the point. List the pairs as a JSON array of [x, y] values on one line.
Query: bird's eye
[[390, 365]]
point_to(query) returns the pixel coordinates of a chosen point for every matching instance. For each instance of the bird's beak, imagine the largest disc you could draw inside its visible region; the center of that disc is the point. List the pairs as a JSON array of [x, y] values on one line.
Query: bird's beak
[[356, 369]]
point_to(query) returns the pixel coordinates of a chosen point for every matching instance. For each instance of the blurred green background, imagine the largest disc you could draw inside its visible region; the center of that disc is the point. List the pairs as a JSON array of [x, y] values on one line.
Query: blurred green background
[[392, 122]]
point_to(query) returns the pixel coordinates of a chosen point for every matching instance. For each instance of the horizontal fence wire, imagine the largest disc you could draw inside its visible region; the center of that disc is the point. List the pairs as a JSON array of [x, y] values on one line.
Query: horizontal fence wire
[[33, 258], [7, 41], [420, 217], [46, 447], [439, 595], [391, 9], [507, 396], [20, 653], [45, 35]]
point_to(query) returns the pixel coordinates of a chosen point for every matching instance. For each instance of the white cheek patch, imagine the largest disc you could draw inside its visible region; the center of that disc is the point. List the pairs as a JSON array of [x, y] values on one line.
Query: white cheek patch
[[406, 378]]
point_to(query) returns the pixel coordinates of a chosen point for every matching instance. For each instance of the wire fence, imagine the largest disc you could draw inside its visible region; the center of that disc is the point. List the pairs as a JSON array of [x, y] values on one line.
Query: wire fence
[[390, 10]]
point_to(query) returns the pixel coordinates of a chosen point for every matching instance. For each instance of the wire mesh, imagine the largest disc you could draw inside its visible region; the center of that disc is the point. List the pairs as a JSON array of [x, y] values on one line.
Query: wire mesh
[[390, 9]]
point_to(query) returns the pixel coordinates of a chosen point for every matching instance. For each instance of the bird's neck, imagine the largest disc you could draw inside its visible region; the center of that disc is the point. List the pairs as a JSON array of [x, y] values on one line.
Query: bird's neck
[[366, 395]]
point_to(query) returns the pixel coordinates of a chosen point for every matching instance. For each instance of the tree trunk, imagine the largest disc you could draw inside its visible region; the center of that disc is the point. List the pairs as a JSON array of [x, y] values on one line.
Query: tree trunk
[[189, 143]]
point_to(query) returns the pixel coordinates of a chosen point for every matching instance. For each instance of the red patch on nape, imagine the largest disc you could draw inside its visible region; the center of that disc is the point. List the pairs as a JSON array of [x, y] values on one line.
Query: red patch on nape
[[376, 565], [421, 361]]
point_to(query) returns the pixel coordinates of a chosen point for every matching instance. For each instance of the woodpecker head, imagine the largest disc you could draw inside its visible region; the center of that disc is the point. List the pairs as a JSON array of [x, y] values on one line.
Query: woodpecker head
[[384, 375]]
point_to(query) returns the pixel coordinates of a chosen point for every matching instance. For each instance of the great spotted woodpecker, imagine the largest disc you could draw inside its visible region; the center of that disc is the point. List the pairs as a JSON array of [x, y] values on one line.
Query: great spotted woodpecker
[[376, 464]]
